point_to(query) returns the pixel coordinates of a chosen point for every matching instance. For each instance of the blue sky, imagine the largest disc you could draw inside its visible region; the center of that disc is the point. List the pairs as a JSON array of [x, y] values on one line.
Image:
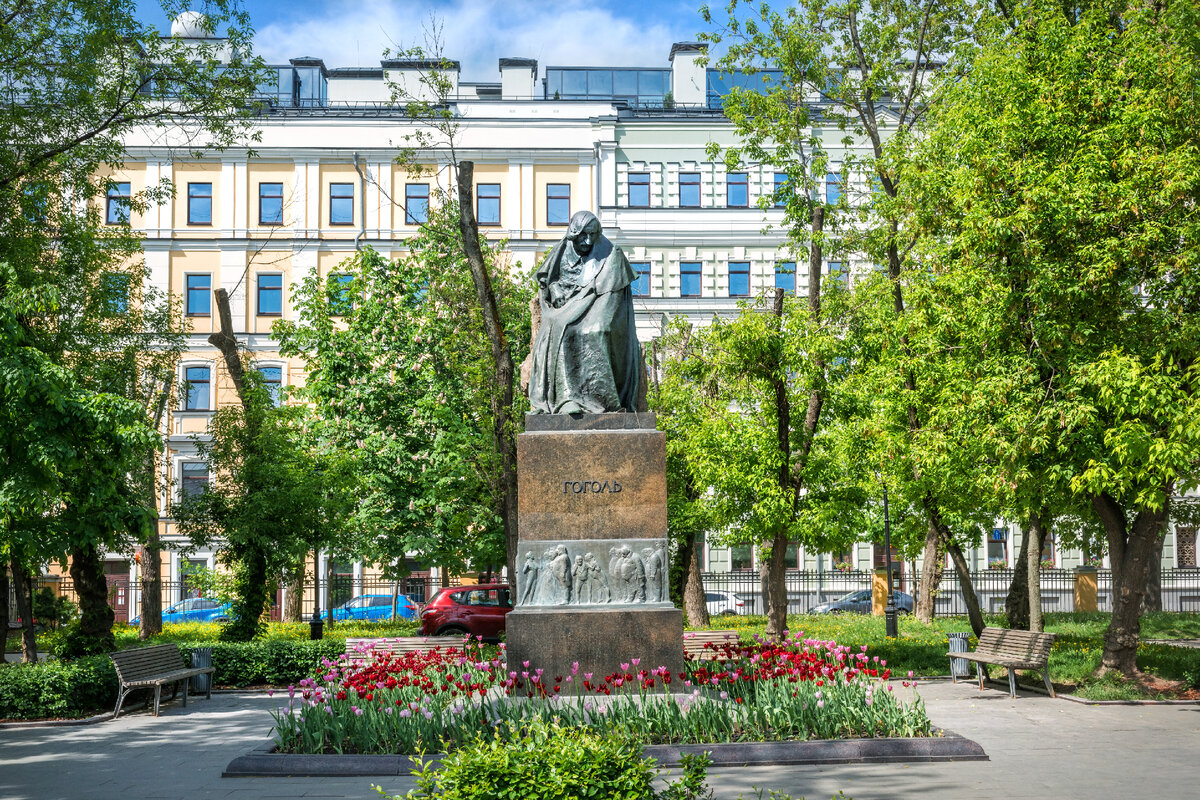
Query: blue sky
[[476, 32]]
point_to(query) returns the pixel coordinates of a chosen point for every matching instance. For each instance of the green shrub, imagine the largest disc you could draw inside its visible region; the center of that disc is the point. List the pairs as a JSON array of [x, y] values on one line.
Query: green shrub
[[548, 762], [57, 689], [274, 662]]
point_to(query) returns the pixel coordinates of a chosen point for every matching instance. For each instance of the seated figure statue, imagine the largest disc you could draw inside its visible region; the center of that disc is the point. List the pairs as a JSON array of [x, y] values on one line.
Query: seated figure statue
[[586, 357]]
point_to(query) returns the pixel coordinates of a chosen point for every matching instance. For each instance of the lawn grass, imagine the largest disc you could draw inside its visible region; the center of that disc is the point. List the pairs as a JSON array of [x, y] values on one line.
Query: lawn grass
[[921, 648]]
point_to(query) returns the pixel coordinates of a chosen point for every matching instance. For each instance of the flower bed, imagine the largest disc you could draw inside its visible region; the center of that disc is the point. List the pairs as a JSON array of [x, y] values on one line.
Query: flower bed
[[766, 691]]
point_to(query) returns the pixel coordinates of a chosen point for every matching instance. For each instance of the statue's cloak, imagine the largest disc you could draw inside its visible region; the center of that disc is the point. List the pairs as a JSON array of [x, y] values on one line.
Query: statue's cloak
[[586, 351]]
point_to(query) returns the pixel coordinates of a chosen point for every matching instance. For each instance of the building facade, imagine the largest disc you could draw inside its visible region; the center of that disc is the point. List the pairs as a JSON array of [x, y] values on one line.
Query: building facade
[[628, 144]]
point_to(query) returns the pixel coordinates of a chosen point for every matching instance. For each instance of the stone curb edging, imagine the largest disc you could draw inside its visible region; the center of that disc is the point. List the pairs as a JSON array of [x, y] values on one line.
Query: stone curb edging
[[264, 762]]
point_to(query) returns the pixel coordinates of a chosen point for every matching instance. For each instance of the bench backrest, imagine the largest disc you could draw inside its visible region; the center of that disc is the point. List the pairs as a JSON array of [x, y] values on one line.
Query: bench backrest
[[1016, 645], [141, 663], [363, 650], [694, 644]]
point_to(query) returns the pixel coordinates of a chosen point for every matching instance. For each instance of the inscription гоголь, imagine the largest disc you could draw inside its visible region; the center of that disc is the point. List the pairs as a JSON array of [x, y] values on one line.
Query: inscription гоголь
[[591, 487]]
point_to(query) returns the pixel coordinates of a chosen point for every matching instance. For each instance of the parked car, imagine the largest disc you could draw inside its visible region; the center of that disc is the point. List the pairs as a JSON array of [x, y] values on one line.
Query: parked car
[[459, 610], [860, 603], [194, 609], [376, 606], [724, 604]]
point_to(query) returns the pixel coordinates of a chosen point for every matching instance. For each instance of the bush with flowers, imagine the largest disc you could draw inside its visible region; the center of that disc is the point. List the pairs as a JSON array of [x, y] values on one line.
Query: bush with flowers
[[765, 691]]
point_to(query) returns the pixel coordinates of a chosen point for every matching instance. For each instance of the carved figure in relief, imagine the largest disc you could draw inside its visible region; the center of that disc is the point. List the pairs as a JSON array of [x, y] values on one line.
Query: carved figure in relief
[[597, 581], [529, 579], [579, 581], [655, 574], [629, 575], [558, 585]]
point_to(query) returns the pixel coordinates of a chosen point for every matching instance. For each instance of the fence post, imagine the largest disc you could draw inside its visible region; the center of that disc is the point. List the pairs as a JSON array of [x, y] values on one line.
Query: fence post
[[1085, 589], [879, 592]]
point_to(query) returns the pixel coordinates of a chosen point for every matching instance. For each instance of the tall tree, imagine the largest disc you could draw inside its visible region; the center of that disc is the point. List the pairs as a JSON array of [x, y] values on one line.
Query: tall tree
[[403, 380], [1076, 226], [872, 71]]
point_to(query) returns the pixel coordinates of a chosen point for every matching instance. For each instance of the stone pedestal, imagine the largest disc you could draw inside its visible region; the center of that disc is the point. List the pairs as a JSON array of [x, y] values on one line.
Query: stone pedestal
[[592, 565]]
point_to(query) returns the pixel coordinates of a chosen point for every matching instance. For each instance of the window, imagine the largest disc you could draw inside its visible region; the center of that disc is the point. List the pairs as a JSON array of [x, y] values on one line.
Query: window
[[116, 211], [689, 190], [837, 274], [1048, 561], [272, 378], [341, 204], [1185, 546], [199, 295], [639, 190], [833, 187], [115, 289], [199, 199], [785, 276], [641, 284], [193, 482], [558, 203], [781, 188], [791, 556], [416, 203], [487, 203], [270, 295], [739, 278], [843, 562], [189, 583], [997, 549], [270, 204], [689, 279], [341, 301], [741, 556], [196, 382], [737, 190]]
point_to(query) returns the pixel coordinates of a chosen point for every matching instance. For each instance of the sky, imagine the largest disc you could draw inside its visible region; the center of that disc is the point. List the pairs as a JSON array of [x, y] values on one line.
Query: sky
[[348, 33]]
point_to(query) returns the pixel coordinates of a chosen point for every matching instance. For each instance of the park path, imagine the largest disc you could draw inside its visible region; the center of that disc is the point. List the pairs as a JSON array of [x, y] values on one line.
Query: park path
[[1039, 747]]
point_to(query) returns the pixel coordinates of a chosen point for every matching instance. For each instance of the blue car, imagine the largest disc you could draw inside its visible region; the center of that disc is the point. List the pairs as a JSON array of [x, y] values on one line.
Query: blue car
[[194, 609], [376, 606]]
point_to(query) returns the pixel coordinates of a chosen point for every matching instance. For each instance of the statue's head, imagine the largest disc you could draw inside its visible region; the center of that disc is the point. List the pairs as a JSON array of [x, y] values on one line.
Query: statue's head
[[584, 231]]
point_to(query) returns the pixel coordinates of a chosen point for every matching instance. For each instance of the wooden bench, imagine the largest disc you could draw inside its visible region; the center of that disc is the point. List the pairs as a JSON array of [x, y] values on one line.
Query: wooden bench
[[362, 651], [694, 645], [145, 667], [1014, 649]]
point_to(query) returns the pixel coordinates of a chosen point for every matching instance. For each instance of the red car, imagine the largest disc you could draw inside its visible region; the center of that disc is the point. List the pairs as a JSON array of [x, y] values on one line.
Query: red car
[[459, 610]]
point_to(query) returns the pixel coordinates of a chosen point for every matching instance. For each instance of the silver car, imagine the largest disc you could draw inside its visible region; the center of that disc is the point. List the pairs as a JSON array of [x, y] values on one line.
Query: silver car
[[860, 603]]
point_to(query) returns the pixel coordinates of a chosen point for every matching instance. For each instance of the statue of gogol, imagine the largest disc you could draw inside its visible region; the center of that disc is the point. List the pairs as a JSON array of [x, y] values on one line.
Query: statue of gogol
[[586, 357]]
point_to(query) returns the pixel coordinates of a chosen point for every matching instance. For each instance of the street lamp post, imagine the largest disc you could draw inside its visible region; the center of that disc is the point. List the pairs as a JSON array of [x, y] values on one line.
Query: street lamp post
[[889, 613]]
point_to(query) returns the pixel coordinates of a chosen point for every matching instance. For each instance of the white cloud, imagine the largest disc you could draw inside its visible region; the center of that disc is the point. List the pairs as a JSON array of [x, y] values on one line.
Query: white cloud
[[476, 33]]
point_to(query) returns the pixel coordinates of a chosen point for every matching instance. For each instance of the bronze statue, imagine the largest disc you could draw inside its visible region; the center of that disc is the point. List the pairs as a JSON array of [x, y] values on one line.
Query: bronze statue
[[586, 357]]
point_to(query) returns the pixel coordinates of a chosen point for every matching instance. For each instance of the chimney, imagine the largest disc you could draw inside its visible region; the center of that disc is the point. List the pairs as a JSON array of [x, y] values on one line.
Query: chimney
[[518, 78], [689, 79]]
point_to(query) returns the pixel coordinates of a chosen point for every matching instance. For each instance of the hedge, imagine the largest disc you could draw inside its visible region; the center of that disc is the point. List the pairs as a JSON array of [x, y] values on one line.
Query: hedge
[[63, 689]]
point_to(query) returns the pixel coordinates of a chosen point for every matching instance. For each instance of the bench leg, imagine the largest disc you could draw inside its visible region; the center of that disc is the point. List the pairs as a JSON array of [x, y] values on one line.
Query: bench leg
[[187, 684], [120, 700], [979, 673], [1012, 683], [1046, 679], [157, 697], [953, 674]]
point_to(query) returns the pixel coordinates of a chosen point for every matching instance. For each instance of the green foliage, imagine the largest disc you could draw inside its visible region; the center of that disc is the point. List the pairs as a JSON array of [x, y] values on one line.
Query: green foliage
[[542, 762], [52, 610], [403, 384], [266, 663], [57, 689]]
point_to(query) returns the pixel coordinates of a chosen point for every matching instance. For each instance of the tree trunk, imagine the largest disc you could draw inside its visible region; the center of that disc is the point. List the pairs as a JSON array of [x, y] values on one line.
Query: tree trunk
[[150, 602], [931, 575], [964, 582], [91, 587], [777, 599], [293, 608], [1016, 603], [21, 585], [1038, 529], [1152, 600], [503, 424], [1131, 549], [4, 609], [695, 603]]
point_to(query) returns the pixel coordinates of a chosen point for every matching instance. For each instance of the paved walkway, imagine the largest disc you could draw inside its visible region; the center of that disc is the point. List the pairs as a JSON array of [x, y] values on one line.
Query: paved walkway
[[1039, 748]]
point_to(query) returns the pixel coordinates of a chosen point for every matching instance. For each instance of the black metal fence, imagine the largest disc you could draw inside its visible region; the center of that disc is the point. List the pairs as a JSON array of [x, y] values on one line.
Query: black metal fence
[[1180, 590], [124, 596]]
